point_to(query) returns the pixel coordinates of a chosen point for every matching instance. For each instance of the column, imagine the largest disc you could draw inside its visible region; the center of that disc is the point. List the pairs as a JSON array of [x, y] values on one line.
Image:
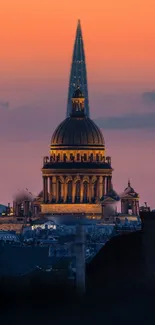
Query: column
[[108, 185], [110, 178], [73, 191], [81, 191], [17, 210], [103, 207], [97, 191], [137, 208], [90, 189], [14, 207], [65, 191], [62, 191], [50, 189], [100, 187], [54, 188], [125, 206], [26, 208], [57, 190], [45, 189], [134, 207], [103, 188]]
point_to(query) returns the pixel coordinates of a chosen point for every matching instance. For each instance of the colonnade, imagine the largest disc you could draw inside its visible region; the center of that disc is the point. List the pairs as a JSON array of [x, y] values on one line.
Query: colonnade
[[66, 189]]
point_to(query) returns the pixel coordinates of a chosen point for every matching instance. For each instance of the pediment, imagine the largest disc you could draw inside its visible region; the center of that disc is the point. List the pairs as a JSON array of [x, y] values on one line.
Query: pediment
[[108, 200]]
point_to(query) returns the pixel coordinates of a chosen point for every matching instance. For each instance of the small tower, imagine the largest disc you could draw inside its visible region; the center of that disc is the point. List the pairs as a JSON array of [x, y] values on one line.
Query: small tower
[[109, 203], [130, 201]]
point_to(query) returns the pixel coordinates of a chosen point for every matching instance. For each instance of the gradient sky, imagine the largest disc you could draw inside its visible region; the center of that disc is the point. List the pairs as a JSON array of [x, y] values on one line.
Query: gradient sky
[[36, 41]]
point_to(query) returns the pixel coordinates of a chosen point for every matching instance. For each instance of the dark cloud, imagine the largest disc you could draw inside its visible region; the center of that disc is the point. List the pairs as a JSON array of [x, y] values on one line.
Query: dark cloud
[[149, 97], [4, 104], [38, 119], [29, 123], [131, 121]]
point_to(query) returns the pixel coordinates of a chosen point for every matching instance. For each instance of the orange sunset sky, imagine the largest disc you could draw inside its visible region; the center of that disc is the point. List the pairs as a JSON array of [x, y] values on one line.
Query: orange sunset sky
[[36, 44], [119, 38]]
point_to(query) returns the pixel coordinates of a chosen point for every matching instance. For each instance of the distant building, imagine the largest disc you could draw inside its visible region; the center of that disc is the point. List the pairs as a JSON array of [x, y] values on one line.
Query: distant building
[[109, 203], [130, 201], [3, 208], [8, 236], [145, 208]]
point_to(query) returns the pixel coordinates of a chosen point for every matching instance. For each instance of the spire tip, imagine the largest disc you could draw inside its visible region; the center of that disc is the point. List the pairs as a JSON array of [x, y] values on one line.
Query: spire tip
[[79, 23]]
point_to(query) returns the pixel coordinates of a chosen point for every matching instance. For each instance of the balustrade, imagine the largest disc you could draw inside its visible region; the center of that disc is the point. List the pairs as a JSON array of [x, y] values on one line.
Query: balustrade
[[76, 157]]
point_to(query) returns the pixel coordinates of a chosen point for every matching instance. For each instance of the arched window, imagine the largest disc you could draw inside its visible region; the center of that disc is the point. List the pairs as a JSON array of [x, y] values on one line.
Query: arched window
[[64, 157], [78, 157], [91, 157], [129, 208], [85, 191], [97, 157], [77, 193], [69, 192], [85, 157]]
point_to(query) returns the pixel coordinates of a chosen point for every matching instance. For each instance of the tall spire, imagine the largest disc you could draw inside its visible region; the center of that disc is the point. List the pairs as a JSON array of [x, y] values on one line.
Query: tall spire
[[78, 74]]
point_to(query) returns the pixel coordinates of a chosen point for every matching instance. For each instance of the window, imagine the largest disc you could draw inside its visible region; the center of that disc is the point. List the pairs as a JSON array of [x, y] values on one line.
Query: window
[[77, 193], [78, 156], [69, 191], [85, 191], [85, 157], [64, 157], [91, 157], [95, 189]]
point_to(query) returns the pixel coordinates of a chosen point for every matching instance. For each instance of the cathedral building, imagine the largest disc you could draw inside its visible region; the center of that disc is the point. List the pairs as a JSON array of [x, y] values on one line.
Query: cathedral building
[[77, 174]]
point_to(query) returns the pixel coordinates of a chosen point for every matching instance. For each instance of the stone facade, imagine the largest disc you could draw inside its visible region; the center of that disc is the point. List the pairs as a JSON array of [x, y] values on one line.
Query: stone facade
[[71, 208], [130, 201]]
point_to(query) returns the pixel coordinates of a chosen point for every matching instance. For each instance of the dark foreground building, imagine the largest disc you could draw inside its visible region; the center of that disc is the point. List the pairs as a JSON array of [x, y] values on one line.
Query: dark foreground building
[[120, 289]]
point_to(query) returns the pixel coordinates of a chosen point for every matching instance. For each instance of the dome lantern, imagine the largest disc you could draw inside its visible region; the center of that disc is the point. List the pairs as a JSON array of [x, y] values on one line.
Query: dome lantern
[[77, 103]]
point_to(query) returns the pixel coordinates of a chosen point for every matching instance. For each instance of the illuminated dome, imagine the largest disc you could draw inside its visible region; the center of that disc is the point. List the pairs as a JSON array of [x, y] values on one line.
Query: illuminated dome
[[77, 131]]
